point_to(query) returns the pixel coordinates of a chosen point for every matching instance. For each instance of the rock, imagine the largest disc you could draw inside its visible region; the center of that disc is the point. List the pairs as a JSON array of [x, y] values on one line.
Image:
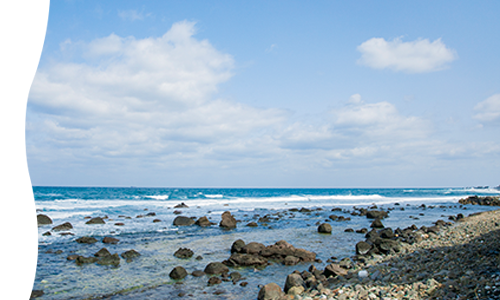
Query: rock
[[270, 291], [214, 281], [243, 259], [86, 240], [63, 227], [292, 280], [386, 233], [182, 205], [237, 246], [110, 240], [203, 222], [80, 260], [253, 248], [156, 220], [47, 233], [334, 270], [36, 294], [113, 259], [235, 277], [349, 230], [183, 253], [96, 220], [325, 228], [130, 254], [150, 214], [376, 214], [346, 263], [244, 284], [252, 224], [178, 273], [377, 224], [362, 230], [228, 221], [362, 248], [72, 257], [183, 221], [198, 273], [291, 260], [215, 268], [43, 220], [101, 253], [119, 224]]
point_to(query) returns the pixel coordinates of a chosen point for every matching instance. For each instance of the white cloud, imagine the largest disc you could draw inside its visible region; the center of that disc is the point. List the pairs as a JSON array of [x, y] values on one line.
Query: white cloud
[[418, 56], [488, 111], [131, 15]]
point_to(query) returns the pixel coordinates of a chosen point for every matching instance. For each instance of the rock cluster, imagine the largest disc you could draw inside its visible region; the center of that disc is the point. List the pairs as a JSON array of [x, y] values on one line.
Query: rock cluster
[[258, 255], [475, 200]]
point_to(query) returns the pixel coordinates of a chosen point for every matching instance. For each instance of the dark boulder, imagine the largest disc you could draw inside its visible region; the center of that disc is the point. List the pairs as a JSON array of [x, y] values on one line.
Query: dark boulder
[[36, 294], [228, 221], [63, 227], [325, 228], [178, 273], [291, 260], [110, 240], [214, 280], [183, 221], [377, 224], [80, 260], [96, 220], [182, 205], [215, 268], [183, 253], [253, 248], [386, 233], [101, 253], [203, 222], [376, 214], [252, 224], [130, 254], [243, 259], [113, 259], [86, 240], [237, 246], [362, 248], [43, 220]]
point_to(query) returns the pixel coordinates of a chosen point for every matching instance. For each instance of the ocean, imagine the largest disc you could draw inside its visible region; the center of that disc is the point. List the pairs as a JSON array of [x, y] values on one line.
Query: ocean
[[147, 277]]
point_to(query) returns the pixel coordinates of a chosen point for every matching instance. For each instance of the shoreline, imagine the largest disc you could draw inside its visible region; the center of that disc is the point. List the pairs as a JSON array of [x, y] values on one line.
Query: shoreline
[[461, 261]]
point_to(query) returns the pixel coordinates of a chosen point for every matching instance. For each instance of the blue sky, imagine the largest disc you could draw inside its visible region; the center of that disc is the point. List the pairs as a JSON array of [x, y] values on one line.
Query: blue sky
[[267, 93]]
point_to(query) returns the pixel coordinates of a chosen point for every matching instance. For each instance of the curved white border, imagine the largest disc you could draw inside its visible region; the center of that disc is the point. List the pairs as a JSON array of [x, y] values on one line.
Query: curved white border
[[23, 24]]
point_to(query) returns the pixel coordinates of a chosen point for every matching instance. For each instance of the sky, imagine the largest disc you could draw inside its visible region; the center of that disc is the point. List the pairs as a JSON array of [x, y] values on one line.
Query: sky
[[267, 94]]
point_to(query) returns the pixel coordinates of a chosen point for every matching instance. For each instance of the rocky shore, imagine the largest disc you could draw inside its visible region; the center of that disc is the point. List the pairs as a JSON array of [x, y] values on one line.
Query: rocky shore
[[461, 261]]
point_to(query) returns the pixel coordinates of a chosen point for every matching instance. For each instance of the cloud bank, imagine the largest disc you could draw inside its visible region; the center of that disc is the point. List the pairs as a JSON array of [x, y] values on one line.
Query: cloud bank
[[488, 111], [419, 56]]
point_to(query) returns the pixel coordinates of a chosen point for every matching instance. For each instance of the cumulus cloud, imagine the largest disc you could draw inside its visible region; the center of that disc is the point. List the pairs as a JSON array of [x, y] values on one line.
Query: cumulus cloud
[[418, 56], [488, 111]]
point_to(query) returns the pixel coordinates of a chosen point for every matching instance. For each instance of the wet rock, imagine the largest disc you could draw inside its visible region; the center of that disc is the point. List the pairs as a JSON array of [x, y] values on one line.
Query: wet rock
[[377, 224], [130, 254], [183, 221], [291, 260], [292, 280], [252, 224], [214, 280], [376, 214], [362, 248], [119, 224], [47, 233], [72, 257], [334, 270], [197, 273], [80, 260], [245, 260], [110, 240], [349, 230], [253, 248], [215, 268], [63, 227], [386, 233], [113, 259], [181, 205], [96, 220], [237, 246], [178, 273], [362, 230], [183, 253], [101, 253], [86, 240], [228, 221], [325, 228], [270, 291], [36, 294], [156, 220], [203, 222], [43, 220]]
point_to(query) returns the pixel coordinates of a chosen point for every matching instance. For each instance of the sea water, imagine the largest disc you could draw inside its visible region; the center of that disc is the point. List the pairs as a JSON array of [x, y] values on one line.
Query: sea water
[[148, 275]]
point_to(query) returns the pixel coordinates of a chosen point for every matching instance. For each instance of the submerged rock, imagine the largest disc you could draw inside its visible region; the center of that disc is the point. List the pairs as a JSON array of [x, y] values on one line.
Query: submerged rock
[[215, 268]]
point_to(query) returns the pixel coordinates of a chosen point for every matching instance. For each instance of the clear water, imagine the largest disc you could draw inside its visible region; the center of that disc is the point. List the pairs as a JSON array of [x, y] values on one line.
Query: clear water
[[147, 276]]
